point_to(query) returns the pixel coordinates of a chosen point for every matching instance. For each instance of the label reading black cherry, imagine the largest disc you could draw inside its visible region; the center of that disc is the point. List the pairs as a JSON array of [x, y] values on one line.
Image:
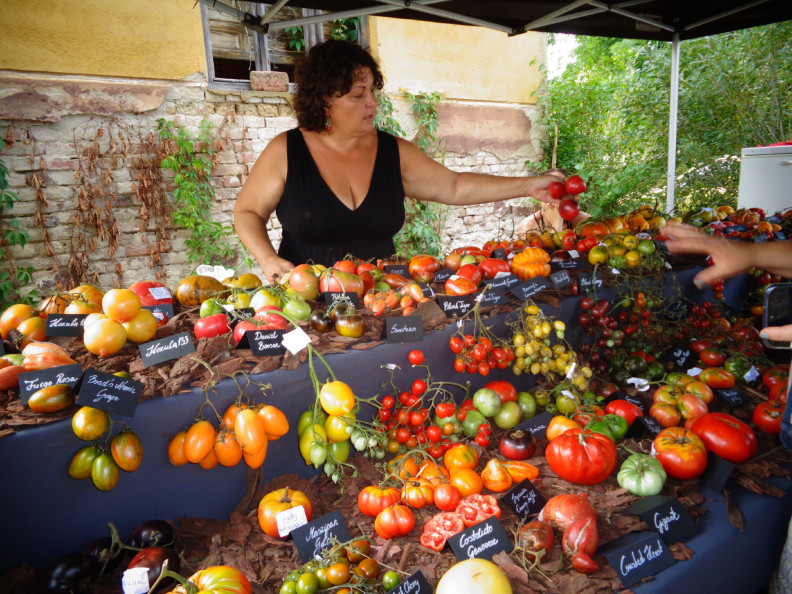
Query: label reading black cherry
[[524, 500], [312, 538], [404, 328], [587, 282], [537, 425], [165, 349], [32, 381], [415, 584], [264, 343], [664, 515], [455, 306], [530, 288], [65, 324], [636, 556], [481, 541], [112, 393]]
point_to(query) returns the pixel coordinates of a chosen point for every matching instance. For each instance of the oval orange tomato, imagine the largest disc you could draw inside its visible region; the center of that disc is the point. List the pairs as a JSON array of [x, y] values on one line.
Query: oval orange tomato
[[199, 441], [459, 456], [250, 431], [467, 481]]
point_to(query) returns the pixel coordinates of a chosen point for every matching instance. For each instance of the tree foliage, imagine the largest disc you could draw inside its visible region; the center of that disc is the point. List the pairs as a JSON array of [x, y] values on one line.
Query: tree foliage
[[611, 106]]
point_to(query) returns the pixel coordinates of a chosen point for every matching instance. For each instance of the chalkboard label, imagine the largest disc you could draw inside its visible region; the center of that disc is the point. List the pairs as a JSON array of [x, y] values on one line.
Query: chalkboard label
[[243, 314], [455, 307], [573, 264], [109, 392], [165, 349], [415, 584], [666, 516], [637, 401], [524, 500], [162, 311], [560, 279], [32, 381], [680, 355], [65, 324], [481, 541], [316, 536], [491, 297], [530, 288], [734, 396], [587, 282], [2, 348], [264, 343], [442, 275], [678, 310], [505, 281], [717, 472], [636, 556], [402, 269], [651, 426], [404, 328], [333, 297], [537, 425], [427, 290]]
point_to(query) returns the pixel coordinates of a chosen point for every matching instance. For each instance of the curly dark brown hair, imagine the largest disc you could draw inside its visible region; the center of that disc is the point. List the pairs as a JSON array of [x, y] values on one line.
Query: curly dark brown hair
[[329, 68]]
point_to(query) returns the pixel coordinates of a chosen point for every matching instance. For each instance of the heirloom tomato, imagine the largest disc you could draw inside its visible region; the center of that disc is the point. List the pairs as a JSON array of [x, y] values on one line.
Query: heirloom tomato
[[581, 456], [505, 390], [103, 336], [337, 281], [767, 416], [212, 325], [475, 508], [700, 389], [423, 267], [717, 378], [127, 450], [120, 305], [641, 475], [666, 414], [275, 422], [216, 579], [151, 293], [70, 572], [726, 436], [176, 454], [681, 452], [90, 423], [104, 472], [418, 493], [460, 456], [561, 511], [581, 537], [142, 328], [439, 528], [447, 497], [80, 466], [153, 533], [199, 441], [575, 185], [568, 209], [394, 521], [459, 285], [491, 267], [691, 406], [276, 502], [336, 398], [373, 499], [467, 481], [226, 448], [517, 444], [556, 189], [51, 399], [13, 316], [152, 559], [536, 538], [625, 409], [474, 576], [495, 477], [558, 425]]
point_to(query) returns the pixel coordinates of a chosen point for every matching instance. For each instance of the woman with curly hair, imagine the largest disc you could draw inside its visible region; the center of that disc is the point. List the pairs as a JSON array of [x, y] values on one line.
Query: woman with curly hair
[[336, 183]]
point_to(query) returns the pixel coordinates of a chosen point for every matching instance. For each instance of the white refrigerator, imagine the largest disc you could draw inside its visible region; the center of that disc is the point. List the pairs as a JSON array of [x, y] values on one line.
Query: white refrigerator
[[766, 178]]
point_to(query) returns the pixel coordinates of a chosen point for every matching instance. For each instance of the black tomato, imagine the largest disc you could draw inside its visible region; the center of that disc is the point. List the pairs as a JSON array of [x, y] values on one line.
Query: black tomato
[[320, 321], [152, 559], [101, 552], [68, 571], [151, 533], [517, 444]]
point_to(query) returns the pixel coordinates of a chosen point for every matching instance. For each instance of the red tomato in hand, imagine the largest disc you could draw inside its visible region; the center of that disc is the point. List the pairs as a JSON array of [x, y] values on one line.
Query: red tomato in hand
[[727, 436], [575, 185], [568, 209], [556, 190]]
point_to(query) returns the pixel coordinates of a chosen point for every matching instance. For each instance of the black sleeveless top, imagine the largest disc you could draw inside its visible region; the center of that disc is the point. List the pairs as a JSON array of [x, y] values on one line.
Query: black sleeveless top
[[319, 228]]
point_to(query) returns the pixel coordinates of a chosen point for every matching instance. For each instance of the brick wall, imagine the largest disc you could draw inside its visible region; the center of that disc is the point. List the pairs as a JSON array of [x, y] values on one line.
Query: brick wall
[[88, 210]]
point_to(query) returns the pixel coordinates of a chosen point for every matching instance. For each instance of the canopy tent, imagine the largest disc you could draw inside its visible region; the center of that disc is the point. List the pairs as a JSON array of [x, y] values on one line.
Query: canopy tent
[[663, 20]]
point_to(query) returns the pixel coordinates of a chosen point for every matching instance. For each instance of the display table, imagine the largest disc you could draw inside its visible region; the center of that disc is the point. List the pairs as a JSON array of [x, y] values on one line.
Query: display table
[[46, 513]]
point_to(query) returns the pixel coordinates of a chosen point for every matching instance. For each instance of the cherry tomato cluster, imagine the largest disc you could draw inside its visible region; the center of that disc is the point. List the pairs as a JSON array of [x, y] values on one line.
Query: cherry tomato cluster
[[345, 567], [479, 355]]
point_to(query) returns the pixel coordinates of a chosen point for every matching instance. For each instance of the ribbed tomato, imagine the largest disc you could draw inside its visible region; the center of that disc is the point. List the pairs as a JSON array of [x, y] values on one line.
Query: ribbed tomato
[[581, 456]]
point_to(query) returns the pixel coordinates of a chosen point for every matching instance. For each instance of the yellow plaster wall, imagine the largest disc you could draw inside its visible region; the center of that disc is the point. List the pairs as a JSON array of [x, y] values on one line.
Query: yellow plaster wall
[[159, 39], [459, 61]]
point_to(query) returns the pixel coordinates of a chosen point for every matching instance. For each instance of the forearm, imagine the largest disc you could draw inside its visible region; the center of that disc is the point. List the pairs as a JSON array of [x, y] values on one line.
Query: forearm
[[252, 231], [478, 188]]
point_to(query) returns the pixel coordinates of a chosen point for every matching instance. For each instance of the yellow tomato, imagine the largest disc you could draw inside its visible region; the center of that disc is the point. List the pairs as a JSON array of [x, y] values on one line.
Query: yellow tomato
[[239, 299], [558, 424], [633, 258], [339, 428], [630, 242], [336, 398], [598, 255]]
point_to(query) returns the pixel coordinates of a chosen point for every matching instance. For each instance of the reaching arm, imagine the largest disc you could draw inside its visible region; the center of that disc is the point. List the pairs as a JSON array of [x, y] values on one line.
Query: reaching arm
[[255, 204], [729, 258], [426, 179]]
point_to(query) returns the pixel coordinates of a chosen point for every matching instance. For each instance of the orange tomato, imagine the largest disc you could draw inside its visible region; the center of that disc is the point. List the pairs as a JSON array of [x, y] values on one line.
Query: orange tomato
[[495, 477], [209, 461], [55, 304], [460, 456], [520, 470], [435, 473], [277, 501], [13, 316], [141, 328], [176, 454], [250, 431], [103, 336], [87, 293], [558, 424], [199, 441], [275, 422], [90, 423], [32, 329], [230, 414], [80, 306], [467, 481], [227, 449], [121, 305], [406, 467], [255, 460], [336, 398]]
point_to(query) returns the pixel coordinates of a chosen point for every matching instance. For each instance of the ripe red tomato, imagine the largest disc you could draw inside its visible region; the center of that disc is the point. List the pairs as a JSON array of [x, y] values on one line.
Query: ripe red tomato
[[625, 409], [556, 190], [418, 387], [505, 391], [372, 499], [447, 497], [394, 521], [581, 456], [476, 508], [767, 416], [213, 325], [727, 436], [415, 357], [575, 185], [711, 357], [717, 378], [568, 209], [681, 452], [151, 293]]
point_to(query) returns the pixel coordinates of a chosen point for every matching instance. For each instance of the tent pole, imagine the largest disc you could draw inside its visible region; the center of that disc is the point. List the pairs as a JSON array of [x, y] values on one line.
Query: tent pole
[[672, 125]]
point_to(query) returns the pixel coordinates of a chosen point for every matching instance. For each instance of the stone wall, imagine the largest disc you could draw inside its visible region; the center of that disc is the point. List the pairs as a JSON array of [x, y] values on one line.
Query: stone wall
[[77, 159]]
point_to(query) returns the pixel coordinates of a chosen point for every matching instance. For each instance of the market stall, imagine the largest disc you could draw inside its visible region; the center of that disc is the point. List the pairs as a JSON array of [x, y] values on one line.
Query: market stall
[[45, 500]]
